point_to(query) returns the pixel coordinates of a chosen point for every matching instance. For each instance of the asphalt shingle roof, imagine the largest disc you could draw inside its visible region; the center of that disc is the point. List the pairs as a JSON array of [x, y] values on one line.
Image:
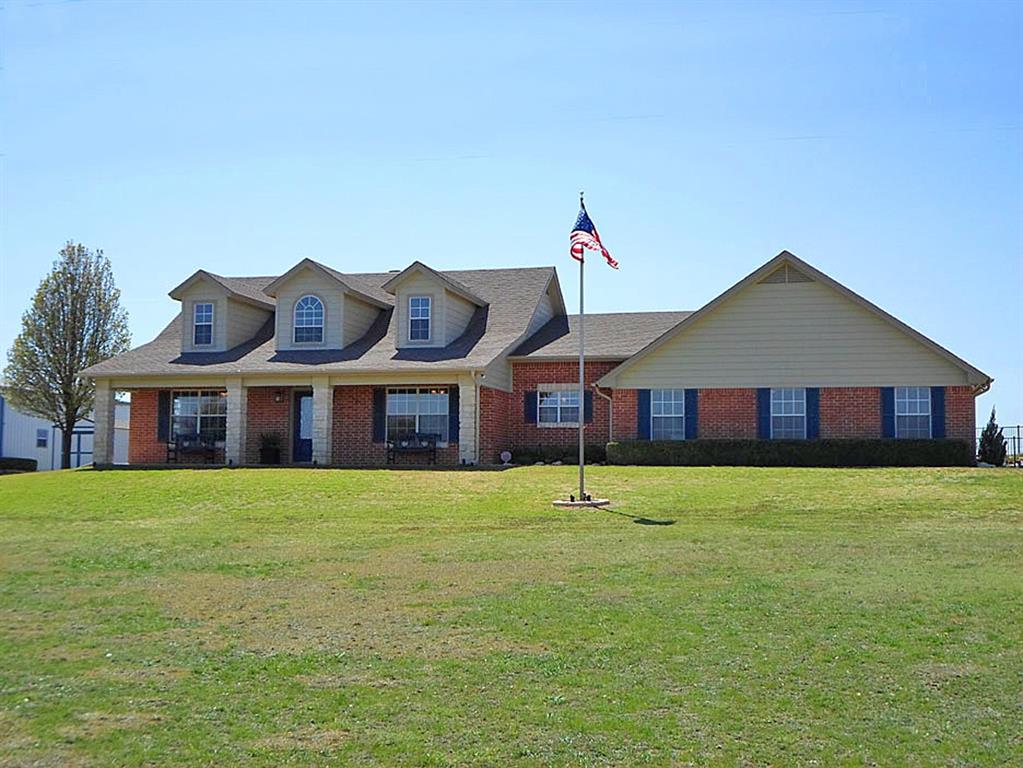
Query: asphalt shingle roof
[[513, 295], [614, 335]]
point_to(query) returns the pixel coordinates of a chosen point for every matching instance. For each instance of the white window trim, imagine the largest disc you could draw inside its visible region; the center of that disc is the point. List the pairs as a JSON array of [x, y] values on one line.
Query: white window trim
[[673, 416], [930, 413], [295, 326], [387, 413], [804, 414], [558, 424], [213, 313], [429, 320], [199, 415]]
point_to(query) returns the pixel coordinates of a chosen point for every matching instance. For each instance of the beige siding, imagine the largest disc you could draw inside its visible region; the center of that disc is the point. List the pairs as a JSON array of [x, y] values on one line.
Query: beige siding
[[243, 321], [304, 283], [544, 312], [499, 374], [203, 292], [457, 314], [418, 284], [790, 334], [358, 317]]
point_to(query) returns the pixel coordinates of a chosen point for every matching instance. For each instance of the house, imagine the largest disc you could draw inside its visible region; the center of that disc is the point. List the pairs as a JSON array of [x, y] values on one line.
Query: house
[[486, 360], [24, 436]]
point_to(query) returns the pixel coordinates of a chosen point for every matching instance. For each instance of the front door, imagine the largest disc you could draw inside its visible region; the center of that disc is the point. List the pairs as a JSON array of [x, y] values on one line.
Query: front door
[[302, 450]]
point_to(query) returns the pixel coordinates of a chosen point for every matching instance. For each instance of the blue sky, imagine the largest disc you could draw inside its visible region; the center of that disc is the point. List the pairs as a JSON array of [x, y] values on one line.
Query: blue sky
[[881, 142]]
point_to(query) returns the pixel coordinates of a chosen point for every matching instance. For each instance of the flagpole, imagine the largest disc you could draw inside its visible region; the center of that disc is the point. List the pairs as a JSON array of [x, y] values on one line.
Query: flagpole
[[582, 380]]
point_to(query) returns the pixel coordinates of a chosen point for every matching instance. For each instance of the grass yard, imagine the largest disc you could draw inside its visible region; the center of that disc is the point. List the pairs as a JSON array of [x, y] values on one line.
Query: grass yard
[[788, 616]]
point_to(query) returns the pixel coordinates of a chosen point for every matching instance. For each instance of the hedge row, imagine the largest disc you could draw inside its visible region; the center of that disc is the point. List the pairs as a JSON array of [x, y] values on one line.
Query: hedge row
[[551, 453], [794, 453], [12, 464]]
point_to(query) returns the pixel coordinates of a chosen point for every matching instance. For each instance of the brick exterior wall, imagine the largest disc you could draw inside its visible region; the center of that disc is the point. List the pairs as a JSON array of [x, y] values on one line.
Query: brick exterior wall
[[850, 412], [144, 445], [726, 413], [626, 412], [960, 413], [265, 415], [497, 414], [352, 437], [526, 377]]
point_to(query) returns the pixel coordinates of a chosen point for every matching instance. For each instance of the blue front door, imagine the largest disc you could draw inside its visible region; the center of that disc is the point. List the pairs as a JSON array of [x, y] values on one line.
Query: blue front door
[[302, 451]]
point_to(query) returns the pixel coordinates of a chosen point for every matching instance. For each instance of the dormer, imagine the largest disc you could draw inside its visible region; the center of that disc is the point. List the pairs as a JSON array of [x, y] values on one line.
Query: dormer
[[430, 309], [317, 308], [219, 313]]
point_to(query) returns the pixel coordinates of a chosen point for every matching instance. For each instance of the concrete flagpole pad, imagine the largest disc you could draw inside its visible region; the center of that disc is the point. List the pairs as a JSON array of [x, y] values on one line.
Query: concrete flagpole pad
[[566, 504]]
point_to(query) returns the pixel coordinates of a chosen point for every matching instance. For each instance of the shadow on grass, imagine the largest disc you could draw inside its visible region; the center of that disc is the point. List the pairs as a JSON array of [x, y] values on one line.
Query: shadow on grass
[[638, 519]]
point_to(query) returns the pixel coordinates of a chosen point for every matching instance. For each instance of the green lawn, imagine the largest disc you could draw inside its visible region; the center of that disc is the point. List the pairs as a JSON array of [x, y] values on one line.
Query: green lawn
[[813, 617]]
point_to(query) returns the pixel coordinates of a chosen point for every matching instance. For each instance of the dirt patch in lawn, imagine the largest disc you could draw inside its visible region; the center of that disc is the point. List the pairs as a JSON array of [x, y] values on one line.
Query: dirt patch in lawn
[[305, 739]]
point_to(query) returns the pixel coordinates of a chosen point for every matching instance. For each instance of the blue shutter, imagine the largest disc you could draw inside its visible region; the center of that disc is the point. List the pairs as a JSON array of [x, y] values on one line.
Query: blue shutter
[[887, 411], [163, 409], [529, 407], [813, 413], [764, 413], [587, 406], [453, 415], [643, 414], [937, 412], [691, 410], [379, 414]]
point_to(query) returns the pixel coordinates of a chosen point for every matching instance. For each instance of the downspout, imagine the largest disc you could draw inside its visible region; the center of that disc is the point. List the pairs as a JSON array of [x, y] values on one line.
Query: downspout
[[610, 413], [476, 420], [3, 404]]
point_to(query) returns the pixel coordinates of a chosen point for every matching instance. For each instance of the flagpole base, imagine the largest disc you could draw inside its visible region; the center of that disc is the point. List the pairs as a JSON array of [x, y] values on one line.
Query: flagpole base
[[568, 504]]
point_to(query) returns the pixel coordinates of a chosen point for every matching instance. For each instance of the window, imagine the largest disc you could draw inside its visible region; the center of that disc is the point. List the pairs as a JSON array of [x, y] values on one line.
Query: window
[[788, 414], [913, 412], [667, 414], [423, 410], [202, 327], [199, 413], [308, 320], [558, 407], [419, 318], [42, 436]]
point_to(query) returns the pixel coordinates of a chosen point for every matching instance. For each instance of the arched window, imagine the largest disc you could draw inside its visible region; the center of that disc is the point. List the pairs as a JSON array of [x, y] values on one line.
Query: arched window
[[308, 320]]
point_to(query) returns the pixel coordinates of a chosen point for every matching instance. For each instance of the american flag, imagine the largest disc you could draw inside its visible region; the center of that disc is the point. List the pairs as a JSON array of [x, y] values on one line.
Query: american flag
[[584, 235]]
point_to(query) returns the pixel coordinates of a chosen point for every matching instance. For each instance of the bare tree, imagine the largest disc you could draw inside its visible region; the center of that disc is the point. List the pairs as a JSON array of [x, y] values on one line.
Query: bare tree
[[75, 321]]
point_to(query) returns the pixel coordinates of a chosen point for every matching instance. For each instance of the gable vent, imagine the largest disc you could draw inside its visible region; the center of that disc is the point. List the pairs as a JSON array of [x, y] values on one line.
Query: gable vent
[[787, 274]]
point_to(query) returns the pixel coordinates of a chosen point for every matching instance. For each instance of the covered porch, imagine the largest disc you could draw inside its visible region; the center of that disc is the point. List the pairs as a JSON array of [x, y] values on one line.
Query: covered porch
[[312, 421]]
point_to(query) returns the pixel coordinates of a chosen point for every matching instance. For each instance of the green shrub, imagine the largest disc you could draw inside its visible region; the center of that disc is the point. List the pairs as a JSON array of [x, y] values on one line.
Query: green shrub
[[794, 453], [992, 448], [596, 453], [11, 464]]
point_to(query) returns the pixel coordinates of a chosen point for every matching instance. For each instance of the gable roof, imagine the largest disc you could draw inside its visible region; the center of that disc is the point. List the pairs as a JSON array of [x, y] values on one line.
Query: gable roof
[[609, 336], [345, 282], [509, 295], [785, 258], [247, 289], [452, 285]]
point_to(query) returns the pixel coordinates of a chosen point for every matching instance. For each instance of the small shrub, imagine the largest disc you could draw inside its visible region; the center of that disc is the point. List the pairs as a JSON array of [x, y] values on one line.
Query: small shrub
[[11, 464], [794, 453], [992, 446]]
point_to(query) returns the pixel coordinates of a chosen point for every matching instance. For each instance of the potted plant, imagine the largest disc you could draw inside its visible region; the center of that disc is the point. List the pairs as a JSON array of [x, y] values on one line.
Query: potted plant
[[270, 448]]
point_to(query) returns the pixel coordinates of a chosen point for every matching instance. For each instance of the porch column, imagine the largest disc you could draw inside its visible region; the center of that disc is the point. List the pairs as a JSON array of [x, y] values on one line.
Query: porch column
[[467, 449], [103, 424], [237, 421], [323, 420]]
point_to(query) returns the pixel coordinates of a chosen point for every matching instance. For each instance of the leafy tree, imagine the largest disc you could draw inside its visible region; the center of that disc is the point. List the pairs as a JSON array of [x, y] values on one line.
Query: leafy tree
[[75, 321], [992, 443]]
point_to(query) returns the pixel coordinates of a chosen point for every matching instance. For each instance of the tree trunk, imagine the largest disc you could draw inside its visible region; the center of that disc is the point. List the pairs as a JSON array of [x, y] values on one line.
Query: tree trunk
[[65, 446]]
